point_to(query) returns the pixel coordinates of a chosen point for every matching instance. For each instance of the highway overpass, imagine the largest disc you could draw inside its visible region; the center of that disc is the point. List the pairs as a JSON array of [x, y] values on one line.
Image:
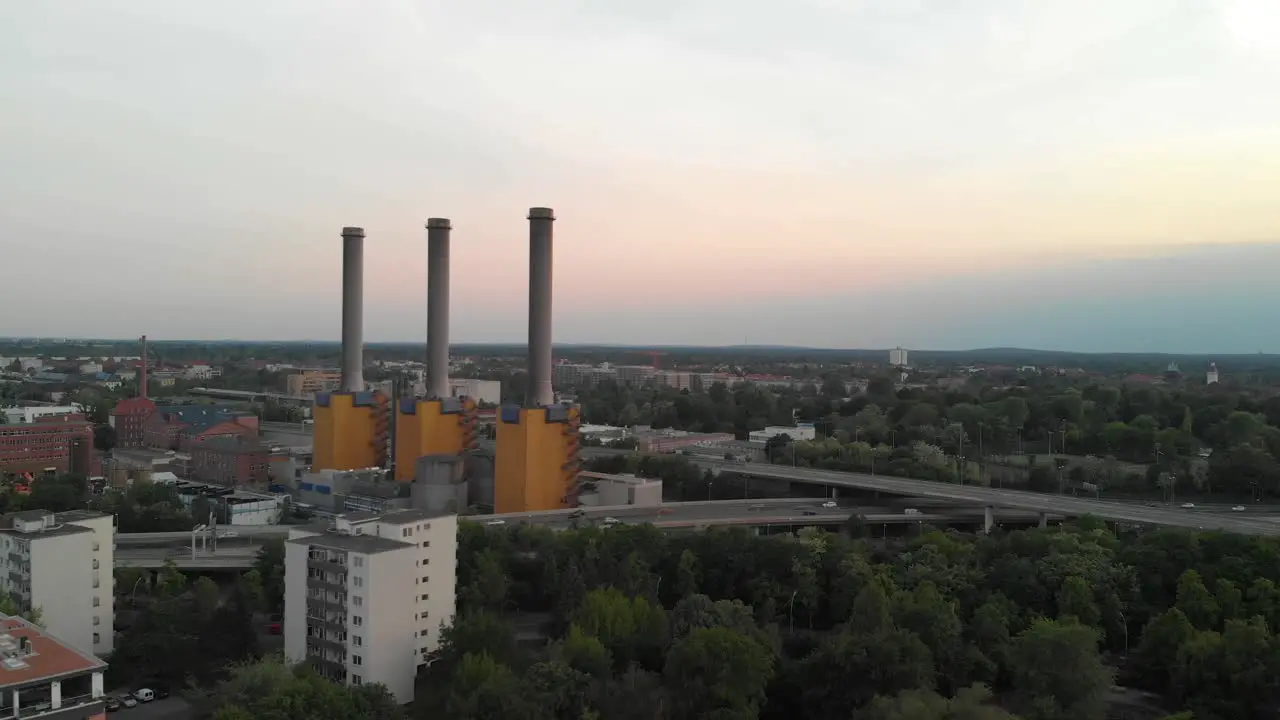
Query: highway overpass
[[1124, 512]]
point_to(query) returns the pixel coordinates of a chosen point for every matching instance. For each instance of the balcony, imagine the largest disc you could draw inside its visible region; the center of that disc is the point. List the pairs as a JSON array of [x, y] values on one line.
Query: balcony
[[328, 586], [328, 566], [334, 623]]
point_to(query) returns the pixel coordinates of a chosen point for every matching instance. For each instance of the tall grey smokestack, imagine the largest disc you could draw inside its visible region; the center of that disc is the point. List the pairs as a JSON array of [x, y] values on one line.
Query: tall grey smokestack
[[438, 307], [540, 394], [353, 309]]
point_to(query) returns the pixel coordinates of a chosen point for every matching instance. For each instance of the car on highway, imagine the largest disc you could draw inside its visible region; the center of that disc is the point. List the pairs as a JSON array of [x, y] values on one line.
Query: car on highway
[[127, 700], [495, 522], [1188, 506], [664, 511], [810, 512], [1238, 508], [910, 511], [609, 521], [576, 514], [829, 504]]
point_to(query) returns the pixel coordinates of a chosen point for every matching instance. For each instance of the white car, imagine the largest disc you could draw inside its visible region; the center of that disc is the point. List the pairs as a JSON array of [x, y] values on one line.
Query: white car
[[609, 521], [829, 504], [1238, 508], [496, 521], [1188, 506], [128, 701]]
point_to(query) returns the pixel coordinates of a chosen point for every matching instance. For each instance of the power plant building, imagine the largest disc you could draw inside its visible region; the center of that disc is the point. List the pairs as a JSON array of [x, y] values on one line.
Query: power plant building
[[352, 424], [438, 424], [536, 463]]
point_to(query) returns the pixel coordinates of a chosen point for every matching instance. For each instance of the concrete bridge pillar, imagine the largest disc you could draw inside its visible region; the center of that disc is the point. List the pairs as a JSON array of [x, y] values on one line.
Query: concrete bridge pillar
[[988, 520]]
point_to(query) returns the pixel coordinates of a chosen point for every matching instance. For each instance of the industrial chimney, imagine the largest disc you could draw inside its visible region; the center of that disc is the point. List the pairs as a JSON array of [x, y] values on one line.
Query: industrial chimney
[[142, 369], [353, 309], [540, 249], [438, 307]]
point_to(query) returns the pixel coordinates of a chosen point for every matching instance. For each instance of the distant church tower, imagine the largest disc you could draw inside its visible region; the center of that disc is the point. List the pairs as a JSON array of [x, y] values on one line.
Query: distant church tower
[[1211, 377]]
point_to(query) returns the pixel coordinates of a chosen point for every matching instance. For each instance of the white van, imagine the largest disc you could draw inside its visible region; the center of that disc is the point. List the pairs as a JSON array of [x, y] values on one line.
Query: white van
[[911, 511], [144, 695]]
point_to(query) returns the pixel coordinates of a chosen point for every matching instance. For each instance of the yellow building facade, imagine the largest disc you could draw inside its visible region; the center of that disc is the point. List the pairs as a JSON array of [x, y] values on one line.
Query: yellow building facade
[[432, 427], [536, 461], [351, 430]]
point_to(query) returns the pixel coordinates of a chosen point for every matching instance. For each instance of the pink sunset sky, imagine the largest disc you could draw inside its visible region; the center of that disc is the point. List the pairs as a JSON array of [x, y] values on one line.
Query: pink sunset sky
[[859, 173]]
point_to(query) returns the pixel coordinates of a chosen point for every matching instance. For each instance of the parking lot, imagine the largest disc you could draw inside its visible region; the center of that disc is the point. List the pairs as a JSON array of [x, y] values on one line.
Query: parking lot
[[170, 708]]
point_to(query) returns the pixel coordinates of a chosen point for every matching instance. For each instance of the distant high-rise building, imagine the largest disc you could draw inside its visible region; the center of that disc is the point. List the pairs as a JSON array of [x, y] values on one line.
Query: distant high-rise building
[[1211, 377], [898, 357]]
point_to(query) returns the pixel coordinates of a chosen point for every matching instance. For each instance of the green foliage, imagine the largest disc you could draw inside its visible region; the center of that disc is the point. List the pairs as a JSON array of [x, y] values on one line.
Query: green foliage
[[271, 690], [1042, 617]]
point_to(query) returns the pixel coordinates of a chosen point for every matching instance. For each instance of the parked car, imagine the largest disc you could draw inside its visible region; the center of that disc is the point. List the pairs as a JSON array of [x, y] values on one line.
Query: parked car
[[128, 701], [113, 705], [162, 691], [144, 695], [275, 624]]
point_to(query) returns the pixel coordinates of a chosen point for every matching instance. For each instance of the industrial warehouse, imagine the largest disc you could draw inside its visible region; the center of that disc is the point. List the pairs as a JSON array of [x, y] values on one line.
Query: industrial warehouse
[[423, 439]]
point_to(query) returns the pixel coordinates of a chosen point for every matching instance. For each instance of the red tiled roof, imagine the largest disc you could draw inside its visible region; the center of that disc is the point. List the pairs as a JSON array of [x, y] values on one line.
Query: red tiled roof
[[50, 658], [134, 406]]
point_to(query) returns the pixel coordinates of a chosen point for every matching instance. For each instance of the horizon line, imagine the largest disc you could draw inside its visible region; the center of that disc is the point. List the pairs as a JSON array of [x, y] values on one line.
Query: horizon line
[[677, 346]]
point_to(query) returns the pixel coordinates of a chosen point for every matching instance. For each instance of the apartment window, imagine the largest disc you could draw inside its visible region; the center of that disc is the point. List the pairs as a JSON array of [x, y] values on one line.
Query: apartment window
[[404, 532], [424, 579], [96, 582], [97, 638], [357, 660], [426, 561], [424, 597], [97, 620], [357, 561], [357, 601], [359, 581], [95, 546], [357, 620], [357, 640], [355, 680], [97, 601], [95, 563], [426, 543], [423, 633]]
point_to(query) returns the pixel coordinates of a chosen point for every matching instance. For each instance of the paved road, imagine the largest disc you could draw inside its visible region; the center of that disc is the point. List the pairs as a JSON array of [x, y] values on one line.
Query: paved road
[[170, 708], [1013, 499], [753, 513], [224, 558]]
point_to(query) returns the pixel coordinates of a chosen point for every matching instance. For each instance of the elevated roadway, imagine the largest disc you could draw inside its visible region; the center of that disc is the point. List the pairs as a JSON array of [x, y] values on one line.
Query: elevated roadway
[[1134, 513]]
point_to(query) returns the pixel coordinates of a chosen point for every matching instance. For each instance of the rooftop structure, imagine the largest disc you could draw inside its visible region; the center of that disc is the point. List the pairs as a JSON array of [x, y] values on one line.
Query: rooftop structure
[[42, 676]]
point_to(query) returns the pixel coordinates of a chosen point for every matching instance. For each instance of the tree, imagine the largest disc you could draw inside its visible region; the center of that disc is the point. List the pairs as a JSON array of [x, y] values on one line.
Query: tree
[[270, 567], [488, 587], [970, 703], [1196, 602], [272, 690], [482, 689], [206, 597], [1058, 674], [9, 607], [714, 672]]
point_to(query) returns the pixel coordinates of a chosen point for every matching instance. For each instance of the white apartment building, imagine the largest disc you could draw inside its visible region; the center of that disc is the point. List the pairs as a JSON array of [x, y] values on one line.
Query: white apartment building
[[366, 597], [898, 357], [482, 391], [62, 564], [28, 415], [802, 431]]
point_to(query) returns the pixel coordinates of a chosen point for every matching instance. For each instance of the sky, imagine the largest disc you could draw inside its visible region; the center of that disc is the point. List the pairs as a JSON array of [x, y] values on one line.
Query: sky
[[1077, 174]]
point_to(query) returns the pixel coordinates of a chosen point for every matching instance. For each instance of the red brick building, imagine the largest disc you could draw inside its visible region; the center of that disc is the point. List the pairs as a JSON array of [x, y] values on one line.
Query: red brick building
[[128, 419], [61, 442], [229, 460], [177, 428]]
